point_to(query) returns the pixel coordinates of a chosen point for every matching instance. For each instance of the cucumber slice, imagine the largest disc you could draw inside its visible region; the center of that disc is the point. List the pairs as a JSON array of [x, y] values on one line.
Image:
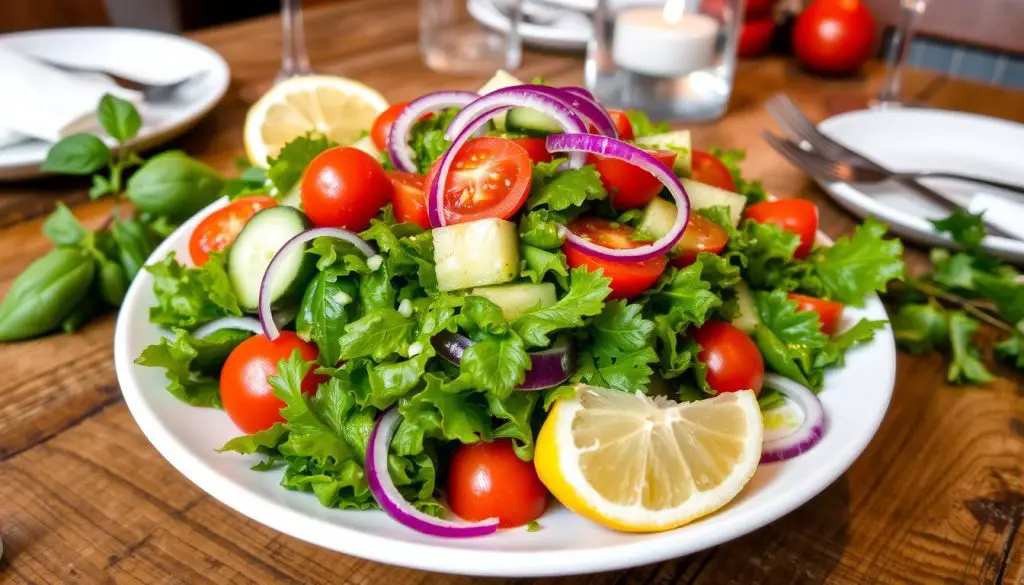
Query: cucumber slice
[[530, 121], [678, 141], [659, 216], [501, 80], [476, 253], [518, 299], [703, 195], [748, 318], [253, 249]]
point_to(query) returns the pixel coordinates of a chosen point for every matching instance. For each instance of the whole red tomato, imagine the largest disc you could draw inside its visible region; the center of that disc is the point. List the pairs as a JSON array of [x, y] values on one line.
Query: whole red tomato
[[834, 36], [344, 187], [756, 36], [734, 363], [488, 480]]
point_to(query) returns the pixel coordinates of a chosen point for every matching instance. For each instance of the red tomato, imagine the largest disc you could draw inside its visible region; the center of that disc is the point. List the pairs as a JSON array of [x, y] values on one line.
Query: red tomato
[[535, 148], [756, 36], [830, 313], [629, 279], [734, 363], [247, 395], [834, 36], [221, 227], [707, 169], [490, 178], [701, 235], [487, 480], [629, 185], [622, 125], [793, 215], [382, 125], [754, 9], [344, 187], [408, 198]]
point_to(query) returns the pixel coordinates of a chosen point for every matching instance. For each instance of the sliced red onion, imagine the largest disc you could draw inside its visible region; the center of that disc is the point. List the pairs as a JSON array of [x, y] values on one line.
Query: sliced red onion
[[391, 500], [580, 91], [240, 323], [548, 368], [614, 148], [811, 429], [547, 100], [589, 109], [270, 327], [398, 138]]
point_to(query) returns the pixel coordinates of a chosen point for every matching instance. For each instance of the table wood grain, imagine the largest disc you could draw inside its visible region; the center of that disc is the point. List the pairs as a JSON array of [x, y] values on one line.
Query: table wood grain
[[84, 498]]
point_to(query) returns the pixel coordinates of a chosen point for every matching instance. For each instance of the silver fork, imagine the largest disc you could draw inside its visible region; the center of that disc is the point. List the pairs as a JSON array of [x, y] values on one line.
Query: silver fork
[[819, 167], [151, 92]]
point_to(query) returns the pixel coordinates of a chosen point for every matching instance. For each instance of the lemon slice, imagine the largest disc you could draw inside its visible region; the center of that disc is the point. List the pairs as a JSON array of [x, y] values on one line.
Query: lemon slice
[[643, 465], [335, 107]]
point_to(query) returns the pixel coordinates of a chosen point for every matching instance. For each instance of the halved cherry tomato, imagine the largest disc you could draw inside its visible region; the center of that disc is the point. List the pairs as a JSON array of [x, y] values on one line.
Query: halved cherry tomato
[[629, 279], [622, 124], [244, 390], [488, 480], [409, 199], [701, 235], [490, 178], [706, 168], [629, 185], [830, 313], [734, 363], [220, 228], [382, 125], [535, 148], [344, 187], [798, 216]]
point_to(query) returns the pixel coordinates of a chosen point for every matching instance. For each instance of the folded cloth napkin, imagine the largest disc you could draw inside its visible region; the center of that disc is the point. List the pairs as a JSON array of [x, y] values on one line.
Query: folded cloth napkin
[[40, 101], [1002, 212]]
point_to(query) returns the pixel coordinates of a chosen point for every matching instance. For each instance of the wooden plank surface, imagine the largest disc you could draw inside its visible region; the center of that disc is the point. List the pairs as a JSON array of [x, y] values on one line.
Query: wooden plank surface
[[936, 498]]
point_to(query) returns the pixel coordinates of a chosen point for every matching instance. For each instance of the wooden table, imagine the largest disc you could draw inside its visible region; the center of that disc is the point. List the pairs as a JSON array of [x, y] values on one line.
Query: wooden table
[[84, 498]]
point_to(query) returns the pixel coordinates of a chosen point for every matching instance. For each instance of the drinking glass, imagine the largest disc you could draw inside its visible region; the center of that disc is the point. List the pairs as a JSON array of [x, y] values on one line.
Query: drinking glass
[[899, 47], [294, 60], [453, 41]]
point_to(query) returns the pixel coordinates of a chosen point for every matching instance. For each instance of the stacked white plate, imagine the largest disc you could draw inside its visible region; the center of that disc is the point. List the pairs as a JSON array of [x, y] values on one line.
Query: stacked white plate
[[562, 25]]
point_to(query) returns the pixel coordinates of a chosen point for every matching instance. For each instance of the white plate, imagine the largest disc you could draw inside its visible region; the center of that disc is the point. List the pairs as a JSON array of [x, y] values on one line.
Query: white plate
[[138, 54], [855, 400], [570, 32], [922, 139]]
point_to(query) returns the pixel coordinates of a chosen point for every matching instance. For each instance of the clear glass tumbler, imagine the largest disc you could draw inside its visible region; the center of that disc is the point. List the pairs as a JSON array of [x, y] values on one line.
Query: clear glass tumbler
[[674, 59], [470, 36]]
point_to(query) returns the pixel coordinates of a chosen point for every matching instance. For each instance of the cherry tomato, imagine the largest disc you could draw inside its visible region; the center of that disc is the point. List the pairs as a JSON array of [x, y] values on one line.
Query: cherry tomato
[[490, 178], [629, 185], [622, 125], [707, 169], [834, 36], [756, 36], [487, 480], [754, 9], [793, 215], [701, 235], [408, 198], [629, 279], [382, 125], [734, 363], [830, 313], [220, 228], [244, 390], [535, 148], [344, 187]]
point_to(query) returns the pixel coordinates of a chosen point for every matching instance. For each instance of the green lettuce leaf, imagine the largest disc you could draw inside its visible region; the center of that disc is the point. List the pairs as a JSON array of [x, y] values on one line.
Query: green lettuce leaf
[[966, 367], [537, 263], [190, 297], [642, 125], [919, 328], [517, 411], [585, 298], [285, 169], [859, 265], [193, 365], [560, 190], [427, 139], [966, 229]]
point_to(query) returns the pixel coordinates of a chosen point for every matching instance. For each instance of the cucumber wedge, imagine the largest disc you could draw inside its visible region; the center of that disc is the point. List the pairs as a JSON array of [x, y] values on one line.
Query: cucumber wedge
[[518, 299], [678, 141], [476, 253]]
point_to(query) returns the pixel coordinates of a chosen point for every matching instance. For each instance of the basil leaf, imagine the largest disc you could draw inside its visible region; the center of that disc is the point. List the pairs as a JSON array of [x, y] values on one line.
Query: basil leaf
[[119, 118], [325, 310], [88, 306], [174, 186], [134, 245], [112, 282], [78, 154], [45, 293], [63, 228], [777, 355]]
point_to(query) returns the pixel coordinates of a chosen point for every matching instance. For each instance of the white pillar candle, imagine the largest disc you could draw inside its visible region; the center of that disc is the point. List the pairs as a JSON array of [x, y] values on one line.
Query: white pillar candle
[[648, 42]]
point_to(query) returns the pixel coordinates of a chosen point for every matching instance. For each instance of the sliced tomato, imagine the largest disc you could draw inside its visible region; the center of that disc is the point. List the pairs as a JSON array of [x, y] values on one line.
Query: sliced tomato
[[490, 178], [707, 169], [409, 199], [220, 228], [622, 124], [382, 125], [629, 278], [701, 235], [830, 313], [629, 185], [798, 216], [535, 148]]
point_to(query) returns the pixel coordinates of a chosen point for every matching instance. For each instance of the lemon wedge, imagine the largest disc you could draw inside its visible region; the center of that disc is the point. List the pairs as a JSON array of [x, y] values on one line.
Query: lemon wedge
[[643, 464], [335, 107]]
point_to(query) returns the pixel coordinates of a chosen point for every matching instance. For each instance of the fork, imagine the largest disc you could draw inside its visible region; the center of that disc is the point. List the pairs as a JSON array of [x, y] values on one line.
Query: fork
[[821, 168], [151, 92]]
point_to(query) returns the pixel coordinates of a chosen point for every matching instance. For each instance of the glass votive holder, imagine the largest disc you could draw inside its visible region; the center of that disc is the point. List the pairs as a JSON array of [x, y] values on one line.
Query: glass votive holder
[[674, 59], [454, 38]]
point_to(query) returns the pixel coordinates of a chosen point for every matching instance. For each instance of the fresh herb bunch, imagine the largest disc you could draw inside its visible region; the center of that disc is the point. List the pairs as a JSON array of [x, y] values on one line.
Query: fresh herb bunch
[[91, 269], [943, 309]]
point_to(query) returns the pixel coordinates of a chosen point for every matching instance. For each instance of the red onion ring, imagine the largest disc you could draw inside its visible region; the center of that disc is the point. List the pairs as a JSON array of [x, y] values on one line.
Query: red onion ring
[[391, 500], [266, 315], [240, 323], [589, 109], [611, 147], [810, 431], [398, 138], [548, 368], [581, 92]]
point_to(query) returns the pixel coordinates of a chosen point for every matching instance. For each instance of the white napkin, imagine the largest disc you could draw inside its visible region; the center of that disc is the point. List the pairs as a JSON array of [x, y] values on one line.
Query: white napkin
[[1002, 212], [40, 101]]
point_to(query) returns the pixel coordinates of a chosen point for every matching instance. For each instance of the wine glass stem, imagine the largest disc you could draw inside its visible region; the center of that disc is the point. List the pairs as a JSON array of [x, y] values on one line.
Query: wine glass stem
[[294, 60], [899, 48]]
